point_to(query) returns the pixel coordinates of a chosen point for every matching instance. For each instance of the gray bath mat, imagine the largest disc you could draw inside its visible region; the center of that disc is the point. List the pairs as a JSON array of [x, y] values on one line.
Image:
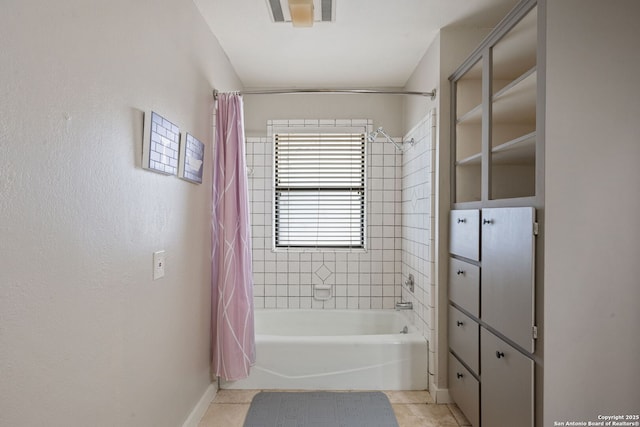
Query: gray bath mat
[[320, 409]]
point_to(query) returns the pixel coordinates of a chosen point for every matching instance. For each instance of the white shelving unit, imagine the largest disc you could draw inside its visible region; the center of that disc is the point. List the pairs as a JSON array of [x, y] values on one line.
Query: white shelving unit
[[495, 135]]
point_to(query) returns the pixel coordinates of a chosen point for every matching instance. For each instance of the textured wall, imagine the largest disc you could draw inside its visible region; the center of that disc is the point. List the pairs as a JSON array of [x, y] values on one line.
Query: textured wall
[[86, 337]]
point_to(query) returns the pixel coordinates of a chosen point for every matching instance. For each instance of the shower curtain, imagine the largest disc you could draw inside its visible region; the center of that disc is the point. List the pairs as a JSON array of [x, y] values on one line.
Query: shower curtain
[[232, 322]]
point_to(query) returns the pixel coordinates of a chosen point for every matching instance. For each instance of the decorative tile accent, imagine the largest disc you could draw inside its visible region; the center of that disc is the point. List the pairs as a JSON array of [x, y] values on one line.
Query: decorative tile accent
[[323, 273]]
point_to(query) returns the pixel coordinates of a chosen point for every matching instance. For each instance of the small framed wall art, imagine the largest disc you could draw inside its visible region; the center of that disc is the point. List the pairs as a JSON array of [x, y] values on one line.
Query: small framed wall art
[[160, 144], [191, 159]]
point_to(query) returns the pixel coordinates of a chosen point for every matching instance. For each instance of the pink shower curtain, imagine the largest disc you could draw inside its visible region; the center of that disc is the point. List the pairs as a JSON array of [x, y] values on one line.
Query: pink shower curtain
[[232, 329]]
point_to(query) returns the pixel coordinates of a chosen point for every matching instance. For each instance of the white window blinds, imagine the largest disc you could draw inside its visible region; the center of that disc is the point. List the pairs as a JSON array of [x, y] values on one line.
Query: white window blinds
[[319, 199]]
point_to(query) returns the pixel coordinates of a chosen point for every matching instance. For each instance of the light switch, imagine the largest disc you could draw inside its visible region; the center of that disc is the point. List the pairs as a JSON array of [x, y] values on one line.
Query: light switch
[[158, 265]]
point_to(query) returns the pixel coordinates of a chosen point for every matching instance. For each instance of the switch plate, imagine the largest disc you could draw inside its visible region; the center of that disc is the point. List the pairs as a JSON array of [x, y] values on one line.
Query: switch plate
[[158, 265]]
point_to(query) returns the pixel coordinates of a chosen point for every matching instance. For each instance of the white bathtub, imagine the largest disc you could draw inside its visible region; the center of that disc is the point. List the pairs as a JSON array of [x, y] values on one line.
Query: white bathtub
[[336, 350]]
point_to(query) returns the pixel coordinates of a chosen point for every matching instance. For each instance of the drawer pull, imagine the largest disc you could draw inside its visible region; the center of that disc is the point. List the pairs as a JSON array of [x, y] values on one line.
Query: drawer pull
[[461, 220], [459, 375], [459, 272], [459, 323], [499, 354], [487, 221]]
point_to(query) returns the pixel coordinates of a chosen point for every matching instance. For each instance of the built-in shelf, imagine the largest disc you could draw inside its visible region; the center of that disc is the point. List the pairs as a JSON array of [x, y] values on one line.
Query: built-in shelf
[[497, 139], [516, 103], [514, 84], [473, 116], [499, 110], [521, 150], [517, 151], [471, 160], [516, 52]]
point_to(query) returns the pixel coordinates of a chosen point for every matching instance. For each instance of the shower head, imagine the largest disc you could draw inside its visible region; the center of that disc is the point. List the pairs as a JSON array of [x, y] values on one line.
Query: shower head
[[373, 135]]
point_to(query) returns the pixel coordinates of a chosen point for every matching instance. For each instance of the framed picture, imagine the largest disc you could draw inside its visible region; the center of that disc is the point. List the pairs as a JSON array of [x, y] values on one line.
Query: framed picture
[[160, 144], [191, 159]]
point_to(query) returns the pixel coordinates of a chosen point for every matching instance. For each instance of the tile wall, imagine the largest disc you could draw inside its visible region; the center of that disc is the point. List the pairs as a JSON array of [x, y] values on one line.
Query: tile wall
[[418, 223], [368, 279]]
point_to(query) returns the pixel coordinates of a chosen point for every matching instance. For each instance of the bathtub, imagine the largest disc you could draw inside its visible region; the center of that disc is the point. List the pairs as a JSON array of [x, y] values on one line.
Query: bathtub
[[336, 350]]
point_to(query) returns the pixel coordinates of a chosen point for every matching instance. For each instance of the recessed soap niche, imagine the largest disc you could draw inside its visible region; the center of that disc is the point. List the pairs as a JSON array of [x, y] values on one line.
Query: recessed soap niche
[[322, 292]]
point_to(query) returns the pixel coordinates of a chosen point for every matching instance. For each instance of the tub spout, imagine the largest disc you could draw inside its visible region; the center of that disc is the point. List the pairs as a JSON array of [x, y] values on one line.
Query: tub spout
[[406, 305]]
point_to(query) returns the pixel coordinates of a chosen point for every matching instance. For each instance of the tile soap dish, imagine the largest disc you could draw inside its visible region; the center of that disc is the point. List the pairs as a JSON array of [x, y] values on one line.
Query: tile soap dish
[[322, 292]]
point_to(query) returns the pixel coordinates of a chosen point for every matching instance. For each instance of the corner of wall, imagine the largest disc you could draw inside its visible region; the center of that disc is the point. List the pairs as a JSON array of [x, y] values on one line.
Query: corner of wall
[[201, 407], [440, 395], [446, 52]]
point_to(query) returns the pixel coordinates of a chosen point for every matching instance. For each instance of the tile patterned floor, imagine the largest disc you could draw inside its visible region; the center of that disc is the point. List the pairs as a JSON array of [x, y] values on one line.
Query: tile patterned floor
[[412, 409]]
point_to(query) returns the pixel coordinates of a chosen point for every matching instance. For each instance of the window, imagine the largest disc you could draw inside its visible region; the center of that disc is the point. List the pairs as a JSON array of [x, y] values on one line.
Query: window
[[319, 197]]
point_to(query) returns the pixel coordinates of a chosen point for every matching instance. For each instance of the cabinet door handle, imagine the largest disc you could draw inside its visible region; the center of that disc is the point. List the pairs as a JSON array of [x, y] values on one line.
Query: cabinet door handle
[[487, 221], [459, 323], [459, 272], [459, 375], [461, 220], [499, 354]]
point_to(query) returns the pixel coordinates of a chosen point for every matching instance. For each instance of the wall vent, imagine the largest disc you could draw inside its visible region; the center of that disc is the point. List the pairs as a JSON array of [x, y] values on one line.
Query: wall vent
[[276, 10], [324, 10]]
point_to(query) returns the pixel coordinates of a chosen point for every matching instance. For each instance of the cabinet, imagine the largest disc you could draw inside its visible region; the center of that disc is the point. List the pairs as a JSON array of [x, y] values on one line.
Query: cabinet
[[464, 388], [464, 239], [495, 131], [464, 285], [464, 335], [497, 189], [492, 315], [507, 384], [507, 274]]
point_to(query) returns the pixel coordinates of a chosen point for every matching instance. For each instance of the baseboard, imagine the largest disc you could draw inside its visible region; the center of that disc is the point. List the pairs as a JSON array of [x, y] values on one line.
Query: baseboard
[[440, 395], [201, 407]]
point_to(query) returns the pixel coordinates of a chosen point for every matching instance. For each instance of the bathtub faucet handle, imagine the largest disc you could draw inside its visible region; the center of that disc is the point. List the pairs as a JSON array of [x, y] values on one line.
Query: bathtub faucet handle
[[410, 282]]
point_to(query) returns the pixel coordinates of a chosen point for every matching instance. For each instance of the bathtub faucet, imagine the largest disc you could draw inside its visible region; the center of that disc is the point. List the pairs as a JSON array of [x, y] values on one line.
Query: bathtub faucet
[[404, 305]]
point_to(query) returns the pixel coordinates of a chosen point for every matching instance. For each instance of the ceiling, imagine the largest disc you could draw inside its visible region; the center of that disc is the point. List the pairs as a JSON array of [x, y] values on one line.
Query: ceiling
[[371, 44]]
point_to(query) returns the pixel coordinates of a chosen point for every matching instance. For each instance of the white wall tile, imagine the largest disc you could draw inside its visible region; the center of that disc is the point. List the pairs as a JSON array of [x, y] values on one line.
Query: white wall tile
[[364, 303], [282, 302], [361, 280], [417, 190], [258, 302], [294, 302]]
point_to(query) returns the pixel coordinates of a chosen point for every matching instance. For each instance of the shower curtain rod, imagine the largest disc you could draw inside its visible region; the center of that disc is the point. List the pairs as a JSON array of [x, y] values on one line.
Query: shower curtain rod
[[431, 94]]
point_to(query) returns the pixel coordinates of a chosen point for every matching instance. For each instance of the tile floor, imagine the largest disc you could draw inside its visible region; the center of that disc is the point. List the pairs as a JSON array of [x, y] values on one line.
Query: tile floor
[[412, 409]]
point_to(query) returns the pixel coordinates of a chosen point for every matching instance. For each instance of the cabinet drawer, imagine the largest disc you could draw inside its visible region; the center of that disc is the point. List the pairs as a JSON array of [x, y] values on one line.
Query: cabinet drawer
[[507, 384], [464, 238], [463, 337], [464, 285], [465, 390]]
